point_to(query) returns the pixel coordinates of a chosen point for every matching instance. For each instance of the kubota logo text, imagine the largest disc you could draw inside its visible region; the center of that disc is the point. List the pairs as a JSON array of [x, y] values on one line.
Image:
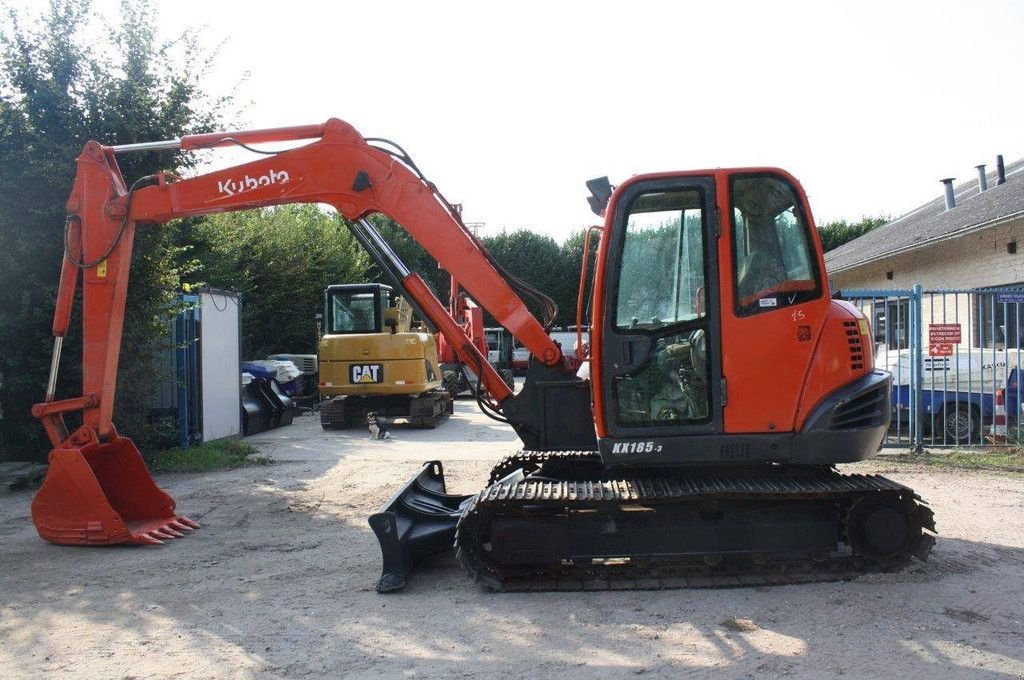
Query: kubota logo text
[[230, 187]]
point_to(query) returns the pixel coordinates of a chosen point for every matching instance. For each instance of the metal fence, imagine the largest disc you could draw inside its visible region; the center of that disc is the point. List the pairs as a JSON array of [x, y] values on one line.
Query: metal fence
[[955, 358]]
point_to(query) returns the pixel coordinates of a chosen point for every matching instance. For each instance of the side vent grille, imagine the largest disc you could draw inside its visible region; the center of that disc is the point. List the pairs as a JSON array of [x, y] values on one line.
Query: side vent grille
[[855, 344], [866, 410]]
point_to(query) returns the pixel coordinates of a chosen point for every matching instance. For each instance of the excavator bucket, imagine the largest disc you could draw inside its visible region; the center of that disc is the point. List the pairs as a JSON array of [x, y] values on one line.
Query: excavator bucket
[[419, 520], [102, 494]]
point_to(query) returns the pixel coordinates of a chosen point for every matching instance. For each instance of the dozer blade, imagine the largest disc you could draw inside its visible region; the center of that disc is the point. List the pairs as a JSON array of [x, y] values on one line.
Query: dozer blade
[[418, 521], [102, 494]]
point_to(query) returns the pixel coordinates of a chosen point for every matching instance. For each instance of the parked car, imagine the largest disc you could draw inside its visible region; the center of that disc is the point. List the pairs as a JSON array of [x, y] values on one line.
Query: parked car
[[498, 341]]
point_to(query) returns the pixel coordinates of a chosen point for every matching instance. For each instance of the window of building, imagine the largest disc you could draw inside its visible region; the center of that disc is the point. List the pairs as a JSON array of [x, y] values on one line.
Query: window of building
[[891, 323], [997, 318]]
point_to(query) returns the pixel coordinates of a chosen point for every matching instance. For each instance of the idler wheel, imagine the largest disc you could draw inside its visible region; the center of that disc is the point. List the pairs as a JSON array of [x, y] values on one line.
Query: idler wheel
[[882, 527]]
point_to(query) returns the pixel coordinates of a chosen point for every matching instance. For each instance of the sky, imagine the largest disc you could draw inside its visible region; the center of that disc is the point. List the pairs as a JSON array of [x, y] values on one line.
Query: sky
[[510, 107]]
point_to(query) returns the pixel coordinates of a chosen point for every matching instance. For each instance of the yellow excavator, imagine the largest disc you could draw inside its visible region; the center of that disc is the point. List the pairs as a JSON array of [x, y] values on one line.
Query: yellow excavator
[[371, 360]]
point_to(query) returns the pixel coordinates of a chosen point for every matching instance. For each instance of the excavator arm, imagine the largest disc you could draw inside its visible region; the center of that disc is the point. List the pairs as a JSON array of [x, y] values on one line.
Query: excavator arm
[[338, 168], [98, 490]]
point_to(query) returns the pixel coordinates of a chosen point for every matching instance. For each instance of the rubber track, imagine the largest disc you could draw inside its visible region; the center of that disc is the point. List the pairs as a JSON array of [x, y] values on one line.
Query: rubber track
[[531, 461], [522, 498]]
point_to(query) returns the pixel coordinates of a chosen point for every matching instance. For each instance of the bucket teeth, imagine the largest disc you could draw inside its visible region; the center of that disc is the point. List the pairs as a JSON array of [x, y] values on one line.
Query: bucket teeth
[[187, 522], [169, 529]]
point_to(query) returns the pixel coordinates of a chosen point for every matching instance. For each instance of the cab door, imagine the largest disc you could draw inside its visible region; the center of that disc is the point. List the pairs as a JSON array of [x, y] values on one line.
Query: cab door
[[659, 351], [774, 299]]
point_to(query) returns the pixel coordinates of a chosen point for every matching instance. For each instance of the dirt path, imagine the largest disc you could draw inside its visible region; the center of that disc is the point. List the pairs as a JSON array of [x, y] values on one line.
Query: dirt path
[[279, 583]]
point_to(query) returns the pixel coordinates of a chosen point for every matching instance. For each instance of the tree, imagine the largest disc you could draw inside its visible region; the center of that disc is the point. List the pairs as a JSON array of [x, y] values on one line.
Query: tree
[[58, 89], [538, 261], [415, 257], [835, 234], [281, 260]]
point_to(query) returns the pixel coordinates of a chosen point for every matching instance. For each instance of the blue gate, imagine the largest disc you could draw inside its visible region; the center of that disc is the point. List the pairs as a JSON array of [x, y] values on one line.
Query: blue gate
[[176, 402], [955, 356]]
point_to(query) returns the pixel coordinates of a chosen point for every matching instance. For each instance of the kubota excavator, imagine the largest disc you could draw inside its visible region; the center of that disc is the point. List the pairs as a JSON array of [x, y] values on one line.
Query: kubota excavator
[[724, 382]]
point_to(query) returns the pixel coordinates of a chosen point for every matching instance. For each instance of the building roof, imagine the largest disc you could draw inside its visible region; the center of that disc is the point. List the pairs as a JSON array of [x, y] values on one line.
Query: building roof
[[931, 222]]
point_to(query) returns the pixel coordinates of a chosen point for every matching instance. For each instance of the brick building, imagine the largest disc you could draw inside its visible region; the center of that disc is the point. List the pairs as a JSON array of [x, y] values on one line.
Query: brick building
[[970, 238]]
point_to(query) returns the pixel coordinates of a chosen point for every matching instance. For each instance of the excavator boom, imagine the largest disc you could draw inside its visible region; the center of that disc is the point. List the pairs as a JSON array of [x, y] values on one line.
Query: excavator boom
[[338, 168]]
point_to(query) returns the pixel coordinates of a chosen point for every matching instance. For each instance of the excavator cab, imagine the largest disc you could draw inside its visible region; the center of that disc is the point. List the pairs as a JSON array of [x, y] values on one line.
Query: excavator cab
[[711, 314], [357, 308]]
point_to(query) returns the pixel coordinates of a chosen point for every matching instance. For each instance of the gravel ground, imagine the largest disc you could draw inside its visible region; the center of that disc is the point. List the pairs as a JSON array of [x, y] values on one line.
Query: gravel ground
[[279, 583]]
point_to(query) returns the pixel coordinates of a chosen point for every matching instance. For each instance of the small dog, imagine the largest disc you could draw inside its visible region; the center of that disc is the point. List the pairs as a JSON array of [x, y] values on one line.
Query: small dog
[[376, 425]]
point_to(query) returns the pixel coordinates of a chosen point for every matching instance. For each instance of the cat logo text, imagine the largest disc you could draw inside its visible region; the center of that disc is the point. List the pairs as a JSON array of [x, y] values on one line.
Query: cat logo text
[[366, 373]]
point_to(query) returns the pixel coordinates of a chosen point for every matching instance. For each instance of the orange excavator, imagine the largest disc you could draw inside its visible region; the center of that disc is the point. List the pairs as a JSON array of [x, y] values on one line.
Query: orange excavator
[[698, 446]]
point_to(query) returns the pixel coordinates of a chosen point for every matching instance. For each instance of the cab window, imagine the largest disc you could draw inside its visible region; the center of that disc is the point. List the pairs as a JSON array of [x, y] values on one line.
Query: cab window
[[773, 262], [661, 278], [353, 312]]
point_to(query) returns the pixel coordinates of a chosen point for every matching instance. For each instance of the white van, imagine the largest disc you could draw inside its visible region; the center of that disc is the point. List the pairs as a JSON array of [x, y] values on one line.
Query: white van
[[969, 370]]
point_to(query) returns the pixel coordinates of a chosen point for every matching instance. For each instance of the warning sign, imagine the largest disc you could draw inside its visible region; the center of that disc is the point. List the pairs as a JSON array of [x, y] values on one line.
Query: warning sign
[[943, 334], [942, 337]]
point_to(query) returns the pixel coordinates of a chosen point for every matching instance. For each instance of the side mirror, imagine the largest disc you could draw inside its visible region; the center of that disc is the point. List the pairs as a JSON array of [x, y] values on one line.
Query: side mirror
[[600, 191]]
